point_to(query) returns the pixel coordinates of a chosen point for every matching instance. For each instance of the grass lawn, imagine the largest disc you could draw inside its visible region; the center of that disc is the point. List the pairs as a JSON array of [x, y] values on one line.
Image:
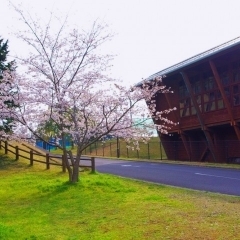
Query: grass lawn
[[39, 204]]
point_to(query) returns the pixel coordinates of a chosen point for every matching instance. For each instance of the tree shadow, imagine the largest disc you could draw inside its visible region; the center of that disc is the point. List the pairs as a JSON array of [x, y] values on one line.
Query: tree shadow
[[6, 163]]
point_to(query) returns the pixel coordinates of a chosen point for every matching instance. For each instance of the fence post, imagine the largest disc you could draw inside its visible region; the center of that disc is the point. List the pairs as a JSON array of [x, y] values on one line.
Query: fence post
[[17, 152], [148, 152], [64, 163], [175, 150], [118, 148], [110, 149], [161, 150], [6, 147], [226, 152], [31, 157], [93, 164], [47, 161], [191, 150]]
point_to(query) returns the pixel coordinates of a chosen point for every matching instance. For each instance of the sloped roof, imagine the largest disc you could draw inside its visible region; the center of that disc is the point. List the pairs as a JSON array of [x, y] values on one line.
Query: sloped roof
[[196, 58]]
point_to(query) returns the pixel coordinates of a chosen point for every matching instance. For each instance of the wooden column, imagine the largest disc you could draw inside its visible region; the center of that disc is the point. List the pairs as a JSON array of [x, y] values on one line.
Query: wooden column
[[199, 115], [226, 101]]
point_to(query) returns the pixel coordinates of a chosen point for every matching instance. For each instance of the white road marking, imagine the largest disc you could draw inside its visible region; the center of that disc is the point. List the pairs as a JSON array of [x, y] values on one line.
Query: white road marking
[[209, 175], [129, 166]]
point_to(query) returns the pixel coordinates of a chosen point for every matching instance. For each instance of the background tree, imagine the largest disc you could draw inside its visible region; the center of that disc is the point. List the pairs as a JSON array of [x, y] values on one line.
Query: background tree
[[7, 90], [66, 83], [47, 130]]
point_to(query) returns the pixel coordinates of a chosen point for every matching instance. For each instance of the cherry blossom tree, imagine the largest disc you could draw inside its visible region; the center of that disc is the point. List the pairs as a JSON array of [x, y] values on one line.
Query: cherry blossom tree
[[66, 83]]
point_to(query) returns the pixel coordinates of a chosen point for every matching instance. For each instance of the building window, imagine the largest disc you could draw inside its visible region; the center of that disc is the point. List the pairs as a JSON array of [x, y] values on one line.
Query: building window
[[236, 95], [236, 71], [184, 104], [209, 81], [227, 93], [220, 103], [206, 93], [225, 78], [236, 100], [224, 75], [185, 107], [183, 92], [196, 84], [199, 103], [209, 101], [210, 93]]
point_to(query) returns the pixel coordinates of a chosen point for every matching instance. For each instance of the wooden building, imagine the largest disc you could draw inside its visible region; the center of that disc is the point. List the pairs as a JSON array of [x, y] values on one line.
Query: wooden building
[[207, 97]]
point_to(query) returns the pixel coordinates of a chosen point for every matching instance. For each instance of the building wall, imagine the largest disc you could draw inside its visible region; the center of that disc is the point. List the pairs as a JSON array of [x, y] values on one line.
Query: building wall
[[208, 113]]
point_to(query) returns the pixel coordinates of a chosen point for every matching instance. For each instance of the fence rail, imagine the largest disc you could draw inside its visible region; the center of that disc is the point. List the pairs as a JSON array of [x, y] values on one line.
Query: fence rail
[[47, 159]]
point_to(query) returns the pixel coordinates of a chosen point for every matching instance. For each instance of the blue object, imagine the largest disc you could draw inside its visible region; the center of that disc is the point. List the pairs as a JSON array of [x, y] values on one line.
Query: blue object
[[51, 144]]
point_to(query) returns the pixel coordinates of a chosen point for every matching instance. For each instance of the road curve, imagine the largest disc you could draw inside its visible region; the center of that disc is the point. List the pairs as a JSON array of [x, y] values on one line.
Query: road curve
[[211, 179]]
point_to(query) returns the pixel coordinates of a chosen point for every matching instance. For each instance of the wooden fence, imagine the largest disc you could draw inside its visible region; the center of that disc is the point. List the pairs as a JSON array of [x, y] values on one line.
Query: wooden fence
[[48, 159]]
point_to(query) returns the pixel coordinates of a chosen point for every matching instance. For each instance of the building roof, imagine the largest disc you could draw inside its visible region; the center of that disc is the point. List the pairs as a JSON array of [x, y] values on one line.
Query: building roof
[[196, 58]]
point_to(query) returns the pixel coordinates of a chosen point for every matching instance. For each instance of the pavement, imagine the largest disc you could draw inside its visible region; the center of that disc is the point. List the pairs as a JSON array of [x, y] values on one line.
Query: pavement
[[209, 179]]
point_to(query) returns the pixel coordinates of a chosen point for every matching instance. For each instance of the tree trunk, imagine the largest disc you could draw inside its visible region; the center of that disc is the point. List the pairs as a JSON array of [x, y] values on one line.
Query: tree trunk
[[75, 172], [66, 162], [73, 168]]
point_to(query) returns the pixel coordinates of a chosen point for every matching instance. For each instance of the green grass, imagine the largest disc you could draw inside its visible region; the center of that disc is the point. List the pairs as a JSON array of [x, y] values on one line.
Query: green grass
[[39, 204]]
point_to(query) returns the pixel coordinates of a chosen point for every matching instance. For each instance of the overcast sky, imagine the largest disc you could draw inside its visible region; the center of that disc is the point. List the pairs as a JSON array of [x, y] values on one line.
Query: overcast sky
[[150, 35]]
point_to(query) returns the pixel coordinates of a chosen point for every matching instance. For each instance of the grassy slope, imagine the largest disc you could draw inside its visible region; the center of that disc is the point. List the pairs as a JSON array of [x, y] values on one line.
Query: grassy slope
[[109, 149], [38, 204]]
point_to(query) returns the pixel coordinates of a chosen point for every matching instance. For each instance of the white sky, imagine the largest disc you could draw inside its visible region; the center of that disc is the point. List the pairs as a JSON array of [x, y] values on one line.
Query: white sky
[[150, 34]]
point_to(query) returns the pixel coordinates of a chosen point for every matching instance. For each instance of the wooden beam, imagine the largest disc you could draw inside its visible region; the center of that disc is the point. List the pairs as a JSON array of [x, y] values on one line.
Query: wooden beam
[[199, 115], [183, 136], [186, 145], [226, 101], [203, 154]]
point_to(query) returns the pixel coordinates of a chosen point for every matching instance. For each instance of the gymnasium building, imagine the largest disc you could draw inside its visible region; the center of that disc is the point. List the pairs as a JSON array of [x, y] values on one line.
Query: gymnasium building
[[206, 93]]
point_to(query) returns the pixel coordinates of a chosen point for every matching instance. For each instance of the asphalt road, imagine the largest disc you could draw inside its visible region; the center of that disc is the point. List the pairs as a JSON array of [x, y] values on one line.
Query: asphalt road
[[211, 179]]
